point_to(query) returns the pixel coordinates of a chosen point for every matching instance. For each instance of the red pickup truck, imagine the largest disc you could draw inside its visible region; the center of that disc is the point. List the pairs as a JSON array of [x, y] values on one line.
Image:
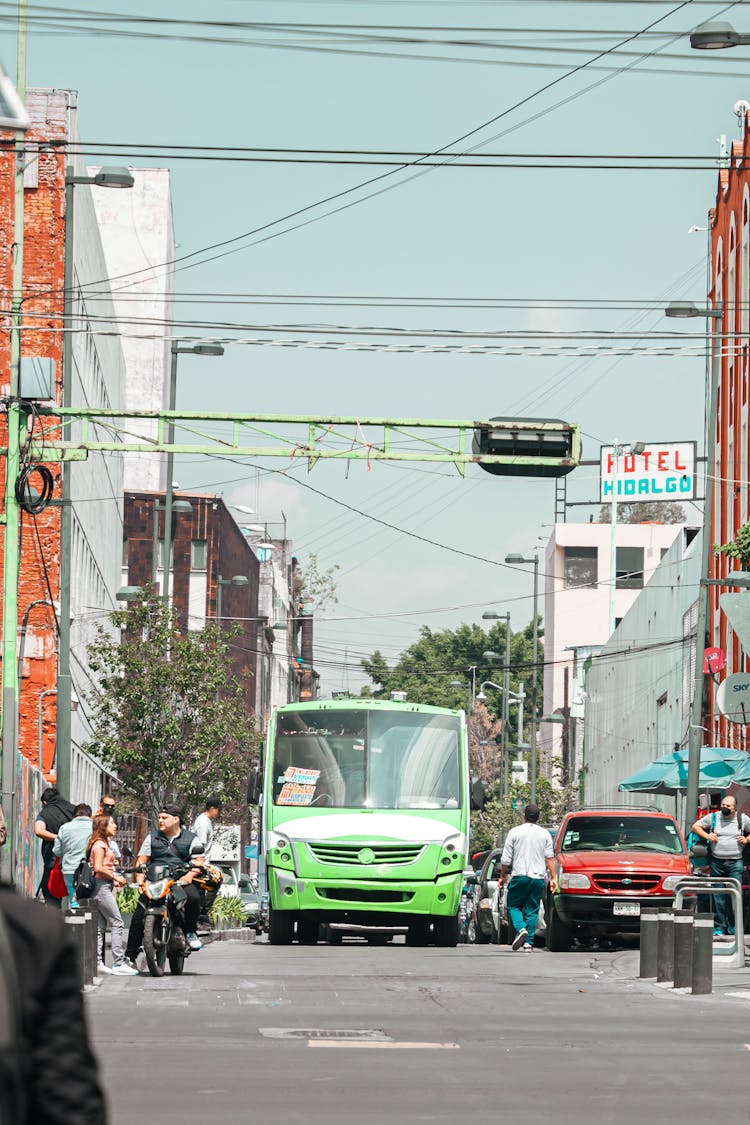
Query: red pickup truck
[[610, 863]]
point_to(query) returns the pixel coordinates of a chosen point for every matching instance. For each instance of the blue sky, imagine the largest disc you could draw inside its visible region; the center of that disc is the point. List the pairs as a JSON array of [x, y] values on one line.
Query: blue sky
[[526, 233]]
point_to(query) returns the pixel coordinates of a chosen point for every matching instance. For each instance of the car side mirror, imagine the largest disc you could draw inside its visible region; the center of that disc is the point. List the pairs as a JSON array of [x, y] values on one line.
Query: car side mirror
[[477, 794]]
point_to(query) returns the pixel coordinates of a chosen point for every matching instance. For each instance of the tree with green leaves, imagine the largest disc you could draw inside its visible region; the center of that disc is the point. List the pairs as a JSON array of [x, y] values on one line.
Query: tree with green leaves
[[492, 824], [447, 668], [318, 586], [169, 714], [646, 511]]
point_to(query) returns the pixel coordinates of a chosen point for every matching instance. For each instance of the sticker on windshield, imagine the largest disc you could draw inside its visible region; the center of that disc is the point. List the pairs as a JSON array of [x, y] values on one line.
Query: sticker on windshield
[[292, 794], [298, 776]]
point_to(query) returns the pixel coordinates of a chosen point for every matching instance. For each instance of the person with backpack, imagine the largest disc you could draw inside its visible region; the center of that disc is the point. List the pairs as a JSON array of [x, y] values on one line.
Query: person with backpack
[[726, 834], [70, 847], [55, 812], [102, 859]]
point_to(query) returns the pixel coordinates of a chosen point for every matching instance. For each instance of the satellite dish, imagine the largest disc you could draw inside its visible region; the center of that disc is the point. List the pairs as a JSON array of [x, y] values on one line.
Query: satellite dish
[[733, 698]]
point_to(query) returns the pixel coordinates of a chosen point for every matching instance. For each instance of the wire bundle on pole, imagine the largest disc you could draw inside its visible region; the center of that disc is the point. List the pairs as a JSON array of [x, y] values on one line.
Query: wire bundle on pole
[[35, 500]]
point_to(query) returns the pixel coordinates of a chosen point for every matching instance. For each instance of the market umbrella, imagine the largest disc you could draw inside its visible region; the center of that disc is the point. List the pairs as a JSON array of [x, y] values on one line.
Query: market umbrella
[[720, 766]]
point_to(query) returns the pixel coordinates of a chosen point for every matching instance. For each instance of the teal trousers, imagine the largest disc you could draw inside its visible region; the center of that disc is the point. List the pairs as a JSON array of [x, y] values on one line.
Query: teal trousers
[[524, 896]]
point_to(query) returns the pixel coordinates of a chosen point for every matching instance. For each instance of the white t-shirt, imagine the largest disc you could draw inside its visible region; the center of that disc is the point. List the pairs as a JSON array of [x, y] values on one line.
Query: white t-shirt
[[204, 830], [727, 829], [526, 848]]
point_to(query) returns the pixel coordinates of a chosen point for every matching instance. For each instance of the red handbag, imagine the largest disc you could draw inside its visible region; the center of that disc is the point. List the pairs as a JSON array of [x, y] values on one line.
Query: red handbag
[[56, 882]]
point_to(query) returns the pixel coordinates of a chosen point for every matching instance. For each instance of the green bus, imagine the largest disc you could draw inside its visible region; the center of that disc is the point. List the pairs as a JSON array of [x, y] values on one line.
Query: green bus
[[365, 823]]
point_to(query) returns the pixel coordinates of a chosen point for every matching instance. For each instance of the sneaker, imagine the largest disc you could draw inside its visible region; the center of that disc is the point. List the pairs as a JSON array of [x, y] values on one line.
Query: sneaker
[[528, 948], [102, 969], [123, 969], [194, 942], [519, 939], [718, 932]]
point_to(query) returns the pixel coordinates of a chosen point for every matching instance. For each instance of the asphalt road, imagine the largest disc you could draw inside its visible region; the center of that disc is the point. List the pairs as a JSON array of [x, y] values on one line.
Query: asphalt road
[[253, 1033]]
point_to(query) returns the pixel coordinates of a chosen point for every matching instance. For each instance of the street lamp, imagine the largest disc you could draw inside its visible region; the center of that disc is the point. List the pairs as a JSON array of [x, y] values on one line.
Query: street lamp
[[520, 560], [716, 36], [681, 311], [195, 349], [118, 178], [235, 580], [179, 507]]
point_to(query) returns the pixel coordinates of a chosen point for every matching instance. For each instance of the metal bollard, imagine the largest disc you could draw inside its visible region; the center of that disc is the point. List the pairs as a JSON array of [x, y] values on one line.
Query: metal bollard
[[649, 934], [665, 946], [683, 948], [703, 951], [92, 933], [77, 922]]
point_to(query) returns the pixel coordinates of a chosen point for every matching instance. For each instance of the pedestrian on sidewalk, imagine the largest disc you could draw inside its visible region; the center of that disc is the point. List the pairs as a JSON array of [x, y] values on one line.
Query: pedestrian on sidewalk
[[527, 853], [70, 847], [203, 827], [52, 1076], [107, 808], [726, 835], [102, 859], [55, 812]]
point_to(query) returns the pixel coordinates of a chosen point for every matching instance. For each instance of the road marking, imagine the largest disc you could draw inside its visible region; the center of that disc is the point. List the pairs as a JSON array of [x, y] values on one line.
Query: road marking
[[327, 1033], [383, 1045]]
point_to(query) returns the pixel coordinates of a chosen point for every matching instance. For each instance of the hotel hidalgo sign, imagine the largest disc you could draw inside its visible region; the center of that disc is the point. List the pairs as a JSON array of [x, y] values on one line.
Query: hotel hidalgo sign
[[663, 471]]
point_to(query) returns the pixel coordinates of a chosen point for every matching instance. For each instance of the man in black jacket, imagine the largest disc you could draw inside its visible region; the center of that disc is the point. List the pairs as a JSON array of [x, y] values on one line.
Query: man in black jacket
[[55, 812], [49, 1060]]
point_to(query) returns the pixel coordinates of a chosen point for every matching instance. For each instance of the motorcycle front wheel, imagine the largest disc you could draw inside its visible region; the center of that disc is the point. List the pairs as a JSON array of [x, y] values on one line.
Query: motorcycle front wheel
[[155, 940]]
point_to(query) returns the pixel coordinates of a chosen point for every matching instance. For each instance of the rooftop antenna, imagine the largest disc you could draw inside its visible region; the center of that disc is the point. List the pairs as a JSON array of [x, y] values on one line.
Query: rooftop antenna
[[740, 111]]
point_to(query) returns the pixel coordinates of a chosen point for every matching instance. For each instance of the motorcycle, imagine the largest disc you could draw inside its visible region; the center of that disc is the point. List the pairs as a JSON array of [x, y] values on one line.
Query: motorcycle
[[164, 925]]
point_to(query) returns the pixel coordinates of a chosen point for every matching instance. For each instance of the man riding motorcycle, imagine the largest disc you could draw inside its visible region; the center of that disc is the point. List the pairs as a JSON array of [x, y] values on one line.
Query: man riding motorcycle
[[170, 846]]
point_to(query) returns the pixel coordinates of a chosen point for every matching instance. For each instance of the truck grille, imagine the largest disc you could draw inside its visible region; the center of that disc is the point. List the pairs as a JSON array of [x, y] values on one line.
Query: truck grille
[[345, 855], [627, 882]]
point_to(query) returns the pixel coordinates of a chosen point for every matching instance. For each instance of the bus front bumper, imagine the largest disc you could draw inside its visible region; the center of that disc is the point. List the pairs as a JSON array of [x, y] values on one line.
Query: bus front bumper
[[438, 897]]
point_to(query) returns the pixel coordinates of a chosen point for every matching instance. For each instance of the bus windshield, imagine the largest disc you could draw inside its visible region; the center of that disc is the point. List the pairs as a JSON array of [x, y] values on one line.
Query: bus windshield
[[367, 759]]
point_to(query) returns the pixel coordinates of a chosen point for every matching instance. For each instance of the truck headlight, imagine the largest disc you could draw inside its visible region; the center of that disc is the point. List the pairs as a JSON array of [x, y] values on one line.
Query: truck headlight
[[671, 881], [574, 881]]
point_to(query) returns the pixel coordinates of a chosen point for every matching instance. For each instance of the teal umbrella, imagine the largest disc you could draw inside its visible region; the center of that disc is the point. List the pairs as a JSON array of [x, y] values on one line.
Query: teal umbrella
[[720, 766]]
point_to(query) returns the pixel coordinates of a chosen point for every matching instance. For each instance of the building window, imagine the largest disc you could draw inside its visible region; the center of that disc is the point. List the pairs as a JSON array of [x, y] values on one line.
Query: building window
[[125, 552], [198, 554], [580, 566], [629, 568], [663, 553]]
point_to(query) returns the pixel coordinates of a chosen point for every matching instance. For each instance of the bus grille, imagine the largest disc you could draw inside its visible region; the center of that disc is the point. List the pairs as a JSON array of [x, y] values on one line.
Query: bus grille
[[357, 894], [349, 854]]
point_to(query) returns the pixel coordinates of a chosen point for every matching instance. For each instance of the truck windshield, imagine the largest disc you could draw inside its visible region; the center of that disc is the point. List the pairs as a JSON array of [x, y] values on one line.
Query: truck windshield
[[367, 759], [621, 834]]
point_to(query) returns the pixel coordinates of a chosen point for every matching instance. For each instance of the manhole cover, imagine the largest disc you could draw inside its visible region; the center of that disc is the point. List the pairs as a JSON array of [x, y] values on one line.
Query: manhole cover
[[367, 1033]]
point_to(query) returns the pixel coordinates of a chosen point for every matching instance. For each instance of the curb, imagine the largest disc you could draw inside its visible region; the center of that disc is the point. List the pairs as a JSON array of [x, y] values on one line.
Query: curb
[[233, 935]]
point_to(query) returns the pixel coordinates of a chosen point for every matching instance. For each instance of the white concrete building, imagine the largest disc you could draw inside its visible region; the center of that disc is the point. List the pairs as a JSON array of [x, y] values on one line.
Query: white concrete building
[[276, 605], [577, 583], [139, 246], [639, 687]]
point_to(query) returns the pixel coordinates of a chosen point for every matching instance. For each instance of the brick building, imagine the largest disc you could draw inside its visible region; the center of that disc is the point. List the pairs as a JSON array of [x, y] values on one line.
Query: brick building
[[96, 377], [209, 550], [730, 285]]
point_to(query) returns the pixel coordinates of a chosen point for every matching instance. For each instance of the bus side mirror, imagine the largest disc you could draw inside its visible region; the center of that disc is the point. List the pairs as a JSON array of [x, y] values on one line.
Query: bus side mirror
[[477, 793]]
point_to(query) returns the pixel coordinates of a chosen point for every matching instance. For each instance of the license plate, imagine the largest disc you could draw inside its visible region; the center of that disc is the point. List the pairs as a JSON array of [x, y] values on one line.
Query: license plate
[[631, 908]]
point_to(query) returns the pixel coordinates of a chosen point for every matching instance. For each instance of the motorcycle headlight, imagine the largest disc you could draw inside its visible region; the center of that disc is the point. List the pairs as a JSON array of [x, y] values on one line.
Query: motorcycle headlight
[[574, 881], [156, 890]]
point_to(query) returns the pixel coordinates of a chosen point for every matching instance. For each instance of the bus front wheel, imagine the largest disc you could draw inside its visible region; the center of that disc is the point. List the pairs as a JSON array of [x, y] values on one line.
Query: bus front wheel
[[445, 932], [280, 926]]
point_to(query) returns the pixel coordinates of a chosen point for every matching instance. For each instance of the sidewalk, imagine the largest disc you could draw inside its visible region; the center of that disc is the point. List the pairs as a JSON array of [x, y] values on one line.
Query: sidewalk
[[726, 982]]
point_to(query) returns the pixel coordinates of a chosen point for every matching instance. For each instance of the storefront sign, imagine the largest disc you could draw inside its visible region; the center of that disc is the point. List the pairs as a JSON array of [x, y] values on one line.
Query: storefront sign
[[662, 471]]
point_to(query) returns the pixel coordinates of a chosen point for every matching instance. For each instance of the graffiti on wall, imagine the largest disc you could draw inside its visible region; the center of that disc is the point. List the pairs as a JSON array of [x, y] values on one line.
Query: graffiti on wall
[[28, 857]]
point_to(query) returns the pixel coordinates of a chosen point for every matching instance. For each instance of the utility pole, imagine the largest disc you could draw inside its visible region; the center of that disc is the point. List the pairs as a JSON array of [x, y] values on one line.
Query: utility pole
[[16, 419], [506, 709]]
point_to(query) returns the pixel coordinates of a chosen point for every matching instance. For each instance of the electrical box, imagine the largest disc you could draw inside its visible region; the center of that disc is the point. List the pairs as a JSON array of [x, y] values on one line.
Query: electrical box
[[37, 379]]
